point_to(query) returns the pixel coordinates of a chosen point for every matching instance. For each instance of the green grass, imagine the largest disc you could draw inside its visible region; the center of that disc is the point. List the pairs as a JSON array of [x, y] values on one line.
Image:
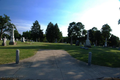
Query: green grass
[[100, 56]]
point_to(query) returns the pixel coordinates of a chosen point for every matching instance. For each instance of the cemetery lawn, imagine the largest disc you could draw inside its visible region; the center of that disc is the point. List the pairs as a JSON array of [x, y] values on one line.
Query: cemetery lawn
[[100, 56]]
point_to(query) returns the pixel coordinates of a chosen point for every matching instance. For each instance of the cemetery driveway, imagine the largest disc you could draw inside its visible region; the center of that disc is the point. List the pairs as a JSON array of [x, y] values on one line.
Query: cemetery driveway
[[55, 65]]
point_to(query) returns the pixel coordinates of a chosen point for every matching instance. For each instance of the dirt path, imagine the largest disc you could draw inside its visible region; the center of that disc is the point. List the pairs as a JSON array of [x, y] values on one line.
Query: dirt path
[[55, 65]]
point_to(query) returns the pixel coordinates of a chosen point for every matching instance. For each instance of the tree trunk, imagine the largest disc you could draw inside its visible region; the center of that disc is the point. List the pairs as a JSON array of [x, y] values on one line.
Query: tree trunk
[[1, 34]]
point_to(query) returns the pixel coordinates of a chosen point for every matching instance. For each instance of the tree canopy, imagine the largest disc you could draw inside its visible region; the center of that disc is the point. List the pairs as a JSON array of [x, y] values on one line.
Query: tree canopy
[[27, 34], [53, 32], [16, 34], [114, 41], [5, 24], [36, 32], [106, 31], [75, 29]]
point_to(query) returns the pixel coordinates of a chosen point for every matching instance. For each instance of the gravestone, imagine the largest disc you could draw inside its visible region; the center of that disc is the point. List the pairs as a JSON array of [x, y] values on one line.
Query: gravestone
[[4, 42], [106, 42], [77, 43], [94, 44], [36, 40], [86, 48], [119, 48], [12, 41], [16, 39], [80, 44], [23, 39], [55, 40], [87, 44]]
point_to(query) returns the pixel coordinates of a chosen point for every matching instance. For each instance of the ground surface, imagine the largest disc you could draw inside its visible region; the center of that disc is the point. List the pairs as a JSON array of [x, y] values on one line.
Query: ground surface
[[55, 65], [100, 56]]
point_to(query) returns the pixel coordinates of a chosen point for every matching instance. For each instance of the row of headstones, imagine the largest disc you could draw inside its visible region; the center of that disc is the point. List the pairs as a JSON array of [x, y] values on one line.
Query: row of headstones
[[87, 44], [22, 39], [12, 42]]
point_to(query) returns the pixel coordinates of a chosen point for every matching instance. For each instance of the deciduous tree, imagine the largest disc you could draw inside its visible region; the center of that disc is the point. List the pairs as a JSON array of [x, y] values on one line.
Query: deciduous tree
[[75, 31], [106, 31], [4, 24]]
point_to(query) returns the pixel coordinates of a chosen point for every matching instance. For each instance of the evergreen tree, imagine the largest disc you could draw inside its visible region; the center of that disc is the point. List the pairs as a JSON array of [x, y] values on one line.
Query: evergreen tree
[[36, 32], [16, 34], [53, 33]]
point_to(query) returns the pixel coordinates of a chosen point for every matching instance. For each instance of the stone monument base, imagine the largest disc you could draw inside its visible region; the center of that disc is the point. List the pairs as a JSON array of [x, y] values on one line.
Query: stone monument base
[[3, 44], [12, 43], [87, 44]]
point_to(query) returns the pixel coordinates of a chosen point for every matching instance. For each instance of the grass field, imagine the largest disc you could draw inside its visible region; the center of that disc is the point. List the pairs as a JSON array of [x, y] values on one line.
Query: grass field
[[100, 56]]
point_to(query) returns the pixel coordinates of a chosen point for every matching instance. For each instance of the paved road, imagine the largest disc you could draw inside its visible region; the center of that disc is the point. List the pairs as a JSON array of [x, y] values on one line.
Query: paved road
[[55, 65]]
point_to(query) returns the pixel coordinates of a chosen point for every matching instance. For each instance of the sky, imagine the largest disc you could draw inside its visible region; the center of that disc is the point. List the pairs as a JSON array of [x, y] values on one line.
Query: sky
[[92, 13]]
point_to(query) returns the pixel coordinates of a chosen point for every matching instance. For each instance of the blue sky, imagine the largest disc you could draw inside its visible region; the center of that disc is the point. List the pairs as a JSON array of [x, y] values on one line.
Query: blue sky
[[92, 13]]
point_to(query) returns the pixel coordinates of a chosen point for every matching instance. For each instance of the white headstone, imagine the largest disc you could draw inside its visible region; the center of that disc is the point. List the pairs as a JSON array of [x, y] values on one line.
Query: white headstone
[[16, 39], [87, 44], [55, 40], [4, 41], [12, 41], [23, 39], [106, 42]]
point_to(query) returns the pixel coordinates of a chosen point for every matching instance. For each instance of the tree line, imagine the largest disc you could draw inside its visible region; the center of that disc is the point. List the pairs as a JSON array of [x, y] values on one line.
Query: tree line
[[76, 31], [36, 33]]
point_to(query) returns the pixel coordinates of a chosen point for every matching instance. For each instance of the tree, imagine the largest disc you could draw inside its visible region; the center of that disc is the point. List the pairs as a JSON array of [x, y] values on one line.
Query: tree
[[36, 32], [75, 31], [114, 41], [4, 26], [92, 34], [98, 38], [27, 34], [58, 34], [84, 32], [94, 29], [106, 31], [53, 32], [16, 34], [6, 35]]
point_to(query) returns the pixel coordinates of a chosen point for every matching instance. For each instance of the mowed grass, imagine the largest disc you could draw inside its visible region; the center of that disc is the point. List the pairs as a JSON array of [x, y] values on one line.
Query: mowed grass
[[100, 56]]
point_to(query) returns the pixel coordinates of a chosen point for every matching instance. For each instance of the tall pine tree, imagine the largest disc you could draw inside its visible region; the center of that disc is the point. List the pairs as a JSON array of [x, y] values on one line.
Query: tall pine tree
[[36, 32], [53, 33]]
